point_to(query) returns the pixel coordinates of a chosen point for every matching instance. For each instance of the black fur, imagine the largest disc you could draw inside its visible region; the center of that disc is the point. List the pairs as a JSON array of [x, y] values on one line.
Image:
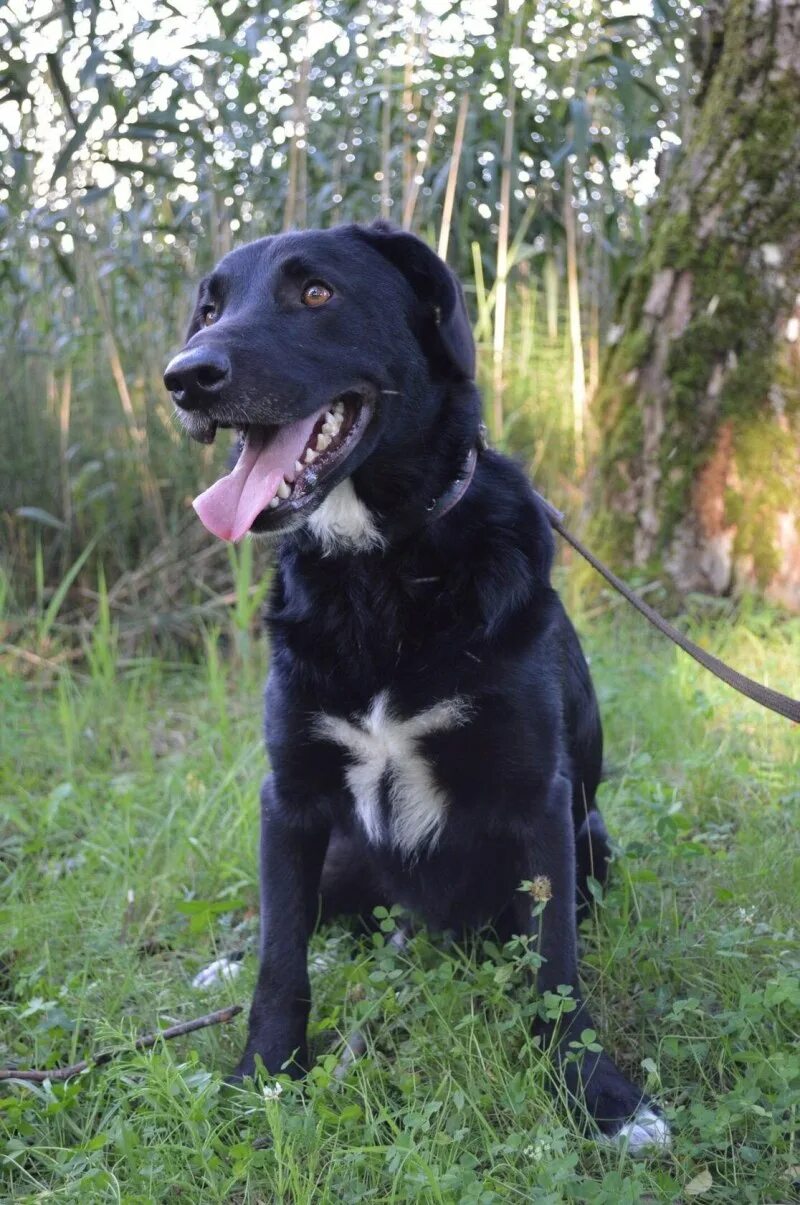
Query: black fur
[[461, 606]]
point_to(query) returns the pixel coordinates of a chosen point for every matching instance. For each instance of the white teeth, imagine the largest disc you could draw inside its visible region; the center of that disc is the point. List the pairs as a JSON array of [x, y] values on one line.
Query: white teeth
[[275, 502], [329, 418], [284, 490], [310, 456], [330, 428], [298, 468], [339, 408], [322, 442]]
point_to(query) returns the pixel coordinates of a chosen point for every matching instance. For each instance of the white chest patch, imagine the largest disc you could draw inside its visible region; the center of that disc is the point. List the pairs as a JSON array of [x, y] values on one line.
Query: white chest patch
[[343, 521], [379, 744]]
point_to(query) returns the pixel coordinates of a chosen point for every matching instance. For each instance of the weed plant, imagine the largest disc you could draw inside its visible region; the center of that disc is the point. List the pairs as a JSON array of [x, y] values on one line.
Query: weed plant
[[127, 847]]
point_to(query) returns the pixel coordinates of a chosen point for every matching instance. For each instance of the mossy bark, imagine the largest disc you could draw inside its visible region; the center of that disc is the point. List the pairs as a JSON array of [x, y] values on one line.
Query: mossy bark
[[698, 411]]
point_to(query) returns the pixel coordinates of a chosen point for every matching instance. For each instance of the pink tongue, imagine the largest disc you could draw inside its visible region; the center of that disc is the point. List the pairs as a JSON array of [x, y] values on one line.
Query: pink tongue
[[229, 507]]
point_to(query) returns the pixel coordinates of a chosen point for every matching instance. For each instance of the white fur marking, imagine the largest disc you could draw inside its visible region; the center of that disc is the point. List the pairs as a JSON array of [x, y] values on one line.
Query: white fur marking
[[343, 521], [644, 1131], [379, 743]]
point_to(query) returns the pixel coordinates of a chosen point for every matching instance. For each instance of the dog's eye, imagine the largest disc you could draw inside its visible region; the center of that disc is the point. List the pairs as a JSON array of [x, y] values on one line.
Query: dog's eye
[[316, 293], [209, 315]]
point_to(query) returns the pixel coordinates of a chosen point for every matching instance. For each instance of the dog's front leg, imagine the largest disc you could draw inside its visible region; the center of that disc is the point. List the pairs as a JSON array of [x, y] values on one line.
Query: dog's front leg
[[292, 855], [619, 1109]]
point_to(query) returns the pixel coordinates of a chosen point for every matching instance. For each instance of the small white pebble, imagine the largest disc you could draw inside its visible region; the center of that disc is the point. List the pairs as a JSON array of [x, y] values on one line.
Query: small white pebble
[[216, 973]]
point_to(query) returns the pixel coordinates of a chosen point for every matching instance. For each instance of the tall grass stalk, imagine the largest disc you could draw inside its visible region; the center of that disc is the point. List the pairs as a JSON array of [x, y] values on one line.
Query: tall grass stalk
[[45, 624], [408, 106], [512, 256], [574, 311], [250, 592], [501, 275], [596, 272], [296, 204], [551, 294], [483, 326], [452, 176], [102, 649], [420, 163], [64, 411], [386, 143], [137, 429]]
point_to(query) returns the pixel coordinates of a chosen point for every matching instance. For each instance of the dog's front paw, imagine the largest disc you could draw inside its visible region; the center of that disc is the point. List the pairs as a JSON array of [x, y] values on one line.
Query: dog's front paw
[[623, 1114], [254, 1069], [263, 1060], [647, 1132], [244, 1069]]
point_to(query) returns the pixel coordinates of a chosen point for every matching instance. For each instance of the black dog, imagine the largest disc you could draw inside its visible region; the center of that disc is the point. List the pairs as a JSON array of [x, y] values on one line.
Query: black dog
[[430, 719]]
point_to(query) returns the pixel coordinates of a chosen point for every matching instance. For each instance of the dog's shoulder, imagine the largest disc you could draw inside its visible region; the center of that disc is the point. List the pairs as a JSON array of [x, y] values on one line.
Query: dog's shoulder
[[512, 506], [502, 541]]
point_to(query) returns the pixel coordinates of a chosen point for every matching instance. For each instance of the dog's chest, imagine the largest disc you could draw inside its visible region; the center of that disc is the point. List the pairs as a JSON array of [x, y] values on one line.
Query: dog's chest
[[397, 798]]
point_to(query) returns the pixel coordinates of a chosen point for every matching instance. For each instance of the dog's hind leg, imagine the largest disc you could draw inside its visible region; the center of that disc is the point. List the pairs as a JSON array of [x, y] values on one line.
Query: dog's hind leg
[[350, 885], [619, 1109]]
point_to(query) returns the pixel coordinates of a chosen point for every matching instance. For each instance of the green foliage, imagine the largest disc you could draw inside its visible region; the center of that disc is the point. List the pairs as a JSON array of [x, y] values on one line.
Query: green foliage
[[137, 148], [127, 852]]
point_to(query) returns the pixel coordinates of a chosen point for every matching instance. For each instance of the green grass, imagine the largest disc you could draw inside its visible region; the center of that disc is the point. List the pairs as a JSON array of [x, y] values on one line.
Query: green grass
[[131, 792]]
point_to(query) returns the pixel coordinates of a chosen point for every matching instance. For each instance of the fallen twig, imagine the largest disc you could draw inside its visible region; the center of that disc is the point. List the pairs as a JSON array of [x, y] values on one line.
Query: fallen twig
[[149, 1039], [32, 658]]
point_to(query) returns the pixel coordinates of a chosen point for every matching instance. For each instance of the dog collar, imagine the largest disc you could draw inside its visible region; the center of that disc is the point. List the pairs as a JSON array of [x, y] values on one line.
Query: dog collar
[[460, 483], [455, 490], [452, 495]]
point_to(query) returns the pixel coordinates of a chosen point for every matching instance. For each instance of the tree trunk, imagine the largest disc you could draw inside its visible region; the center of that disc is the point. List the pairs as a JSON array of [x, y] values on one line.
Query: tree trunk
[[699, 408]]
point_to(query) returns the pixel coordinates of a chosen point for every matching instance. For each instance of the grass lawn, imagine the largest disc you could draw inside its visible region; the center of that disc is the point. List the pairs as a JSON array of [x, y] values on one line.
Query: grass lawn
[[127, 859]]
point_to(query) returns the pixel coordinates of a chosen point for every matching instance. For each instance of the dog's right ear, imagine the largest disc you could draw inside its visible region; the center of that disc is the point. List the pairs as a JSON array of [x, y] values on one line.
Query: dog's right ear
[[436, 287]]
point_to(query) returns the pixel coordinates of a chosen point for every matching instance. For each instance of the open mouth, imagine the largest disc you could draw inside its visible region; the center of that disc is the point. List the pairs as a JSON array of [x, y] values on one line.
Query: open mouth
[[280, 469]]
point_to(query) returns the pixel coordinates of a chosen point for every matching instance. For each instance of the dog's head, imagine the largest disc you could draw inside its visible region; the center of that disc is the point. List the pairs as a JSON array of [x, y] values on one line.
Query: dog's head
[[320, 348]]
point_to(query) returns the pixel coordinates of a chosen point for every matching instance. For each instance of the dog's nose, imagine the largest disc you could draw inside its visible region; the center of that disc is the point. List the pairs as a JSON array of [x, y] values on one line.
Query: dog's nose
[[195, 377]]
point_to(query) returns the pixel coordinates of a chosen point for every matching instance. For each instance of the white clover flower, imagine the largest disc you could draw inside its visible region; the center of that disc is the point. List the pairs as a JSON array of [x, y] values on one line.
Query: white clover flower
[[538, 1150]]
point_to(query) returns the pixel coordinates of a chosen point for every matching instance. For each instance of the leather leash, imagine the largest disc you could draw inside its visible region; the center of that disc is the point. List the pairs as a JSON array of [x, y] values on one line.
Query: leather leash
[[765, 695]]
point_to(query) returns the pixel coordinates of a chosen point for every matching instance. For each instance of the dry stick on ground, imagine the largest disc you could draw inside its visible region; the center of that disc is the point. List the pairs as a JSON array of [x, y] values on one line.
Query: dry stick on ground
[[147, 1040]]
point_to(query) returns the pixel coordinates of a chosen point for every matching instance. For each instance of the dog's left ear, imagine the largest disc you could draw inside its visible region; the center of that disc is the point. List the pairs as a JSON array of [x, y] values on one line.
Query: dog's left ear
[[435, 286]]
